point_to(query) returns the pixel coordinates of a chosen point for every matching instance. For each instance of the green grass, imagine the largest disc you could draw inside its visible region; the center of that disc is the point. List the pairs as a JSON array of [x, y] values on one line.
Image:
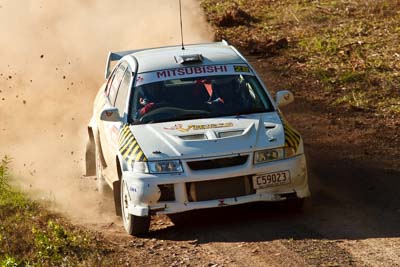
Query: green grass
[[32, 236], [8, 196], [349, 47], [356, 99], [326, 45]]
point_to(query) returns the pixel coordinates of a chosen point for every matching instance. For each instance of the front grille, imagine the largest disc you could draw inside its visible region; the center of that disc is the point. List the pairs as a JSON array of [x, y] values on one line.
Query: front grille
[[219, 189], [167, 192], [217, 163]]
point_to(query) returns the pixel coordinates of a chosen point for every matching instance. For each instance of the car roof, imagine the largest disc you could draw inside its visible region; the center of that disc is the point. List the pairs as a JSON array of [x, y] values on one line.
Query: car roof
[[154, 59]]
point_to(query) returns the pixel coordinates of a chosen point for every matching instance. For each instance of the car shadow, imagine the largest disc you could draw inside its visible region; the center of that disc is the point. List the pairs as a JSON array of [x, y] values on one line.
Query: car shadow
[[244, 223], [346, 210]]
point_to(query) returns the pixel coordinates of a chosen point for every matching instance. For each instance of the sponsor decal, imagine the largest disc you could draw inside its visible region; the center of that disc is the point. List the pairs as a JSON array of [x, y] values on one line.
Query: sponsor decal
[[133, 189], [191, 70], [181, 128], [241, 69], [221, 202], [114, 135], [188, 72]]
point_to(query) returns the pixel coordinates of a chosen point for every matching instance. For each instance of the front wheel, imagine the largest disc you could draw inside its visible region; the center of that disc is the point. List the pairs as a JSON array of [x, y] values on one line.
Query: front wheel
[[134, 225]]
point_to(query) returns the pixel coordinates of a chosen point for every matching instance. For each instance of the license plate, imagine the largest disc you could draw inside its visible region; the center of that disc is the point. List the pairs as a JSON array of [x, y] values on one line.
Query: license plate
[[271, 179]]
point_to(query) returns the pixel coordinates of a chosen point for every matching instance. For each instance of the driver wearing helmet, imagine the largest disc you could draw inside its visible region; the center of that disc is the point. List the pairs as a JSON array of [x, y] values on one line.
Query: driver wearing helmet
[[150, 96]]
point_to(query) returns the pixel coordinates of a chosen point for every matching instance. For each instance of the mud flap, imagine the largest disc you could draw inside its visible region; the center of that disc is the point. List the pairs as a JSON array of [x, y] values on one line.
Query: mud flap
[[117, 197], [90, 157]]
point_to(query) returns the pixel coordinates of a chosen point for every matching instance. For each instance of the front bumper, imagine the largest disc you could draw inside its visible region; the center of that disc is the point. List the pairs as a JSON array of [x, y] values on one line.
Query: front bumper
[[145, 192]]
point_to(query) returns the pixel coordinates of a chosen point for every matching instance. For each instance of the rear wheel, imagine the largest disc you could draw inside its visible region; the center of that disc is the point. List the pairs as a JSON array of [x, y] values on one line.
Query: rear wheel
[[134, 225]]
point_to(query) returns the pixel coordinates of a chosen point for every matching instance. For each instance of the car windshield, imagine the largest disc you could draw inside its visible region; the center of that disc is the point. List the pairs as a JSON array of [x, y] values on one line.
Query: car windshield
[[198, 97]]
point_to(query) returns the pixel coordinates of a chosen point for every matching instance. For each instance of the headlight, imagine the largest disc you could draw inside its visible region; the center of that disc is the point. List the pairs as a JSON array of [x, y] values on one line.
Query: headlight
[[165, 166], [273, 154], [268, 155]]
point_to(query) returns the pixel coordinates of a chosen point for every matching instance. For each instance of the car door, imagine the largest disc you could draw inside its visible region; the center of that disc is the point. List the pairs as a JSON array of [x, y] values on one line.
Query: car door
[[122, 99], [109, 130]]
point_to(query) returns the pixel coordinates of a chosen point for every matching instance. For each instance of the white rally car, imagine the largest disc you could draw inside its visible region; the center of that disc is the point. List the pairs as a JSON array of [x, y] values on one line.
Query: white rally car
[[178, 129]]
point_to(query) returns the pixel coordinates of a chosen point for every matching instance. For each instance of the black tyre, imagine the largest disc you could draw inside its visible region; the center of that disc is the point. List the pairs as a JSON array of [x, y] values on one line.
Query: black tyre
[[134, 225]]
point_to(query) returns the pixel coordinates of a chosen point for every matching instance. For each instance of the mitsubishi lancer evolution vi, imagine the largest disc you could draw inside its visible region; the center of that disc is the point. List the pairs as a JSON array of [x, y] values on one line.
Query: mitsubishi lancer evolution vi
[[175, 130]]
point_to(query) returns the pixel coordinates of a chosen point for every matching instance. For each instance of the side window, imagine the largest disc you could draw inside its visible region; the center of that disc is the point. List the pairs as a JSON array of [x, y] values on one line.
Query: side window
[[110, 79], [116, 80], [123, 91], [134, 103]]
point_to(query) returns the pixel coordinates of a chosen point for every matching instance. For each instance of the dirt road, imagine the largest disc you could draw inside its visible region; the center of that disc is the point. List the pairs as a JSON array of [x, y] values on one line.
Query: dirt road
[[352, 219]]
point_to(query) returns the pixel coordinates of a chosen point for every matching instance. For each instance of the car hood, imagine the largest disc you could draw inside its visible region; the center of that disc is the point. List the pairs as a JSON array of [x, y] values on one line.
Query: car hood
[[209, 137]]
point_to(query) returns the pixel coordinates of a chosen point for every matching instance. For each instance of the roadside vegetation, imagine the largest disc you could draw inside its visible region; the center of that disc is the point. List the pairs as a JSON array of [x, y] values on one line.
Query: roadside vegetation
[[32, 236], [345, 50]]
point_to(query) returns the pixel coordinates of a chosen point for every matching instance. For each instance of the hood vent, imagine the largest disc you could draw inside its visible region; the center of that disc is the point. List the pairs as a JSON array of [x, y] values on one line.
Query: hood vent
[[269, 126], [218, 135], [230, 133], [194, 137]]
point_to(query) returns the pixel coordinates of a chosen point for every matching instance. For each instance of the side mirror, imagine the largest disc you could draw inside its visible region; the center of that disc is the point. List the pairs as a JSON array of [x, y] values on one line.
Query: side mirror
[[284, 97], [110, 114]]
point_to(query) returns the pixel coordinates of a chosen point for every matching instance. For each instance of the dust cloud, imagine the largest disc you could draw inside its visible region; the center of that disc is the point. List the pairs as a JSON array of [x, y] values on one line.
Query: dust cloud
[[52, 59]]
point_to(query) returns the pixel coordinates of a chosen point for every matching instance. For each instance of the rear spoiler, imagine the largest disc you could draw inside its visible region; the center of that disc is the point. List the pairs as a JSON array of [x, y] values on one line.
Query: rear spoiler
[[115, 56]]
